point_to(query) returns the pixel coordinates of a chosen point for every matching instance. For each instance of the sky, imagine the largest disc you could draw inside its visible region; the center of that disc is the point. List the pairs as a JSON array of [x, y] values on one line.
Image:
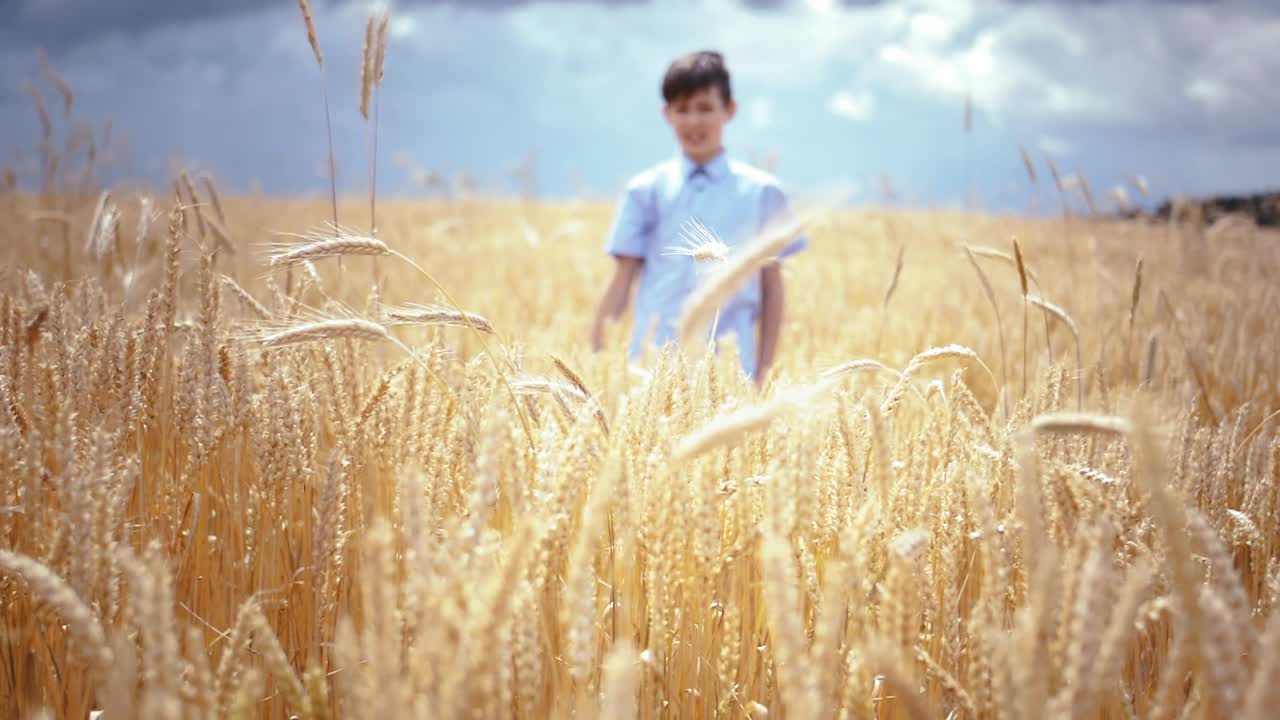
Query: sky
[[844, 97]]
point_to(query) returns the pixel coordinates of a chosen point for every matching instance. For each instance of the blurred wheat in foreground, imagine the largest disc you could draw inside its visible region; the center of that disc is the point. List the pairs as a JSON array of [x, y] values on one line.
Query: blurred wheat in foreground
[[237, 488]]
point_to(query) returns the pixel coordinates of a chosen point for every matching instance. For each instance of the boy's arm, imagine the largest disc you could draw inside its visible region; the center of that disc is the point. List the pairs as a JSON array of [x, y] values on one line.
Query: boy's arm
[[776, 208], [771, 294], [616, 297]]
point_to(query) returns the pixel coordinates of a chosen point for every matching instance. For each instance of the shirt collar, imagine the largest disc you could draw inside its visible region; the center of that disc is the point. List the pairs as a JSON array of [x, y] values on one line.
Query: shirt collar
[[715, 168]]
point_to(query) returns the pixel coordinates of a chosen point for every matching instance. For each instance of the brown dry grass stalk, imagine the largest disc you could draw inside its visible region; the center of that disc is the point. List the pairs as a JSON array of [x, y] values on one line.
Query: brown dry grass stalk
[[1022, 281], [310, 24], [1027, 163], [888, 294], [1135, 296], [1206, 404], [211, 188], [52, 77]]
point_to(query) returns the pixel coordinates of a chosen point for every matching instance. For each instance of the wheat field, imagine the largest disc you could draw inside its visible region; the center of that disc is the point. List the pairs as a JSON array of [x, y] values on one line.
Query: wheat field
[[1003, 468]]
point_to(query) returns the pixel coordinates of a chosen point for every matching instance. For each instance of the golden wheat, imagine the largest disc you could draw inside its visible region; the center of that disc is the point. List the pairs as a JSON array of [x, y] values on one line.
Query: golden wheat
[[332, 521]]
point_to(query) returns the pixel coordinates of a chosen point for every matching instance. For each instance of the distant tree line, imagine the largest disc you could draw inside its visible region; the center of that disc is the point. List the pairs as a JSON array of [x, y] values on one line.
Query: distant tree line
[[1262, 208]]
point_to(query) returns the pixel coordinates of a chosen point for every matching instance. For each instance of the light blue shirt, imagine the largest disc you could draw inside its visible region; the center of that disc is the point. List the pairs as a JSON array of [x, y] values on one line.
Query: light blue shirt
[[734, 201]]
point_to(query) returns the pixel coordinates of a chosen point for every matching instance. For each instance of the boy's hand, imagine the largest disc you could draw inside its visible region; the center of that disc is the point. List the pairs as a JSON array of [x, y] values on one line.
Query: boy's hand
[[616, 297], [771, 293]]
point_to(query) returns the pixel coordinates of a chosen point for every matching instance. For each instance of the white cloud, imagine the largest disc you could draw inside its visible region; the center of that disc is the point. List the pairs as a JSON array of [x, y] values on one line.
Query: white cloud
[[1055, 145], [403, 26], [853, 106], [929, 28], [640, 40], [1115, 65]]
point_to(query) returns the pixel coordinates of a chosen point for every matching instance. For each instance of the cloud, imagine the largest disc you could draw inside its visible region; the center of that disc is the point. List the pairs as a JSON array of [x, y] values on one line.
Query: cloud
[[1122, 65], [234, 87], [61, 24], [855, 107], [1055, 145], [57, 25]]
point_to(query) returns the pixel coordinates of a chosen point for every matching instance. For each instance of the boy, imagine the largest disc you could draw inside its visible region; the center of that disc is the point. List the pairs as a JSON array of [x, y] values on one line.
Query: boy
[[702, 189]]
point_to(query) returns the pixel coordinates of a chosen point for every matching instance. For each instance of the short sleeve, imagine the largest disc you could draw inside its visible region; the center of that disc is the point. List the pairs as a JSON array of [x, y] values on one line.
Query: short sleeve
[[774, 209], [629, 232]]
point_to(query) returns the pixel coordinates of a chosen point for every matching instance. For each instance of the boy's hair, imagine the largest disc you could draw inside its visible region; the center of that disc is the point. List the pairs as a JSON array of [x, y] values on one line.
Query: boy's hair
[[696, 71]]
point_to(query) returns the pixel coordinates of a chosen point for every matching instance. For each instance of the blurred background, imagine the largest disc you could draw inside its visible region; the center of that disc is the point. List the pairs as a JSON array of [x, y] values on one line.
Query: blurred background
[[927, 103]]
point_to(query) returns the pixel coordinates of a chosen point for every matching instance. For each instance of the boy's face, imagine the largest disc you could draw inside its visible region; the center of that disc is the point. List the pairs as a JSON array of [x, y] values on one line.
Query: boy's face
[[698, 120]]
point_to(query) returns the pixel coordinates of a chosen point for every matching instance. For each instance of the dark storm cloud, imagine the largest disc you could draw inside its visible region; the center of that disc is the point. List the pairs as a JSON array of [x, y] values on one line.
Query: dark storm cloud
[[60, 24], [230, 86]]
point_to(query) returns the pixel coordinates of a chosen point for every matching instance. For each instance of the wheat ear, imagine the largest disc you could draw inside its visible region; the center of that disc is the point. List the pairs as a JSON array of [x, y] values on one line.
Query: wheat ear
[[731, 274], [329, 247], [888, 295], [1133, 309], [310, 24], [577, 382], [726, 429], [81, 621], [413, 314], [1082, 422], [991, 298], [1022, 280], [1065, 319], [347, 328], [946, 351], [352, 328], [245, 298]]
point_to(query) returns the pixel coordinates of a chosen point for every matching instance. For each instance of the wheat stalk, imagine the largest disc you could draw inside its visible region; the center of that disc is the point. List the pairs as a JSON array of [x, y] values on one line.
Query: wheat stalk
[[211, 188], [1082, 422], [1135, 296], [342, 328], [995, 254], [52, 77], [245, 298], [319, 248], [1022, 281], [82, 622], [311, 31], [937, 353], [726, 429], [1065, 319], [366, 69], [857, 366], [991, 298], [730, 275], [414, 314], [888, 295], [577, 381]]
